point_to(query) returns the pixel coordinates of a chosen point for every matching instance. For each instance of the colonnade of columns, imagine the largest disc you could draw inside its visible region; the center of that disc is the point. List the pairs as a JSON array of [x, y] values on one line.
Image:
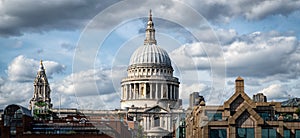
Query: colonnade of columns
[[134, 72], [165, 121], [150, 91]]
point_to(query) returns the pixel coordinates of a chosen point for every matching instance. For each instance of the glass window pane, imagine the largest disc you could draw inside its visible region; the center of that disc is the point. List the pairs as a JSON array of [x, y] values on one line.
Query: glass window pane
[[264, 133], [214, 133], [286, 134], [241, 132], [222, 133], [250, 132], [272, 133], [218, 133], [297, 133]]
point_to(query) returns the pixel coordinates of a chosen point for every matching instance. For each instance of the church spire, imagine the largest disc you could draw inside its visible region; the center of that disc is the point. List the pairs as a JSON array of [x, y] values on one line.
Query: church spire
[[40, 104], [41, 66], [150, 32]]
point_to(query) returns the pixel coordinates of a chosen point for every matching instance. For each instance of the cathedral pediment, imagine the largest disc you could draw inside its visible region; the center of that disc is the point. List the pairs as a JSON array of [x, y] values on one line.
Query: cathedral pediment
[[156, 109], [158, 130]]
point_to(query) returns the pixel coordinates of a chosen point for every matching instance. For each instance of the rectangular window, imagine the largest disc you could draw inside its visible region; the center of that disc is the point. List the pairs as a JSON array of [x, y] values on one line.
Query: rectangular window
[[245, 133], [218, 133], [156, 121], [286, 133], [268, 133], [265, 116], [297, 133], [214, 116]]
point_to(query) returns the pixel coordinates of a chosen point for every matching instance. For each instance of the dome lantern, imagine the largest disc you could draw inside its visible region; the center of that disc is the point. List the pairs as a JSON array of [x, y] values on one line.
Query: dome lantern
[[150, 32]]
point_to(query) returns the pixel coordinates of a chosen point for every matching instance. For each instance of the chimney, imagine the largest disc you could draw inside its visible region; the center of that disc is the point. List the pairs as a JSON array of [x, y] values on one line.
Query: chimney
[[239, 85]]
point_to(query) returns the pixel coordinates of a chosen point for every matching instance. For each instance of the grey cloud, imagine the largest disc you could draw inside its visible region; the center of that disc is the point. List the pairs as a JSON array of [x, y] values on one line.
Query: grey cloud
[[252, 10], [18, 17], [41, 16], [68, 46], [266, 8], [39, 51], [263, 56]]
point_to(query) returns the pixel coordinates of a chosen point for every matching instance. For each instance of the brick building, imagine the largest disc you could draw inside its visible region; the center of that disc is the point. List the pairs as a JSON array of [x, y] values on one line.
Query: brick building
[[240, 116]]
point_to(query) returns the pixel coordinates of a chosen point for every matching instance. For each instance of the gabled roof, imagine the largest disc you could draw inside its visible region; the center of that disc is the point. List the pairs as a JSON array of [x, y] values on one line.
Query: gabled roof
[[239, 78], [245, 107], [235, 95]]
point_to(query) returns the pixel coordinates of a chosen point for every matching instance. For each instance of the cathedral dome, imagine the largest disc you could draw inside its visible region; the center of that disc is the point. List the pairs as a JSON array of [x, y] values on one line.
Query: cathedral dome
[[150, 54]]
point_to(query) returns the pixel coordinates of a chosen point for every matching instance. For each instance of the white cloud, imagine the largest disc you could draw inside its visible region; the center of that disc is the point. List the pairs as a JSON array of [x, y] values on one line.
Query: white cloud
[[255, 55], [25, 69], [18, 87], [276, 92], [92, 82], [15, 93]]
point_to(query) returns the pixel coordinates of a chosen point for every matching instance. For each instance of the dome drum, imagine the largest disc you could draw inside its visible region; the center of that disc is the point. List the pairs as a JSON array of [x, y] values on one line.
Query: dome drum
[[149, 72]]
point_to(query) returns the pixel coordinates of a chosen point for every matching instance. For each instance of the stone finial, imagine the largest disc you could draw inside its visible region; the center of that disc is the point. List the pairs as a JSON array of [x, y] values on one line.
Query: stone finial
[[150, 15]]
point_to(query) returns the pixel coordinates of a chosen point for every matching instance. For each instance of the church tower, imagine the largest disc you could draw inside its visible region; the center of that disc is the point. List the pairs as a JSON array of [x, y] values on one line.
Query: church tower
[[41, 101]]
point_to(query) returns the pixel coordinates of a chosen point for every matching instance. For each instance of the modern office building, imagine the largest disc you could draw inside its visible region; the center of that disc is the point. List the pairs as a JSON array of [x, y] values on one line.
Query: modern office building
[[243, 117]]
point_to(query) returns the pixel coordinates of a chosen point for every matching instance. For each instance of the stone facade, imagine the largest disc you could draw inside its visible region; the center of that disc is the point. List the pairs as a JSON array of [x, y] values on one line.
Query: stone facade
[[241, 116], [40, 104], [150, 92]]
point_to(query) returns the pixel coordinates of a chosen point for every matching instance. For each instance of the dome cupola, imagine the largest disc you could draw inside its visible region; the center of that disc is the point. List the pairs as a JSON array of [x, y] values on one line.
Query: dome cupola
[[150, 53], [150, 79]]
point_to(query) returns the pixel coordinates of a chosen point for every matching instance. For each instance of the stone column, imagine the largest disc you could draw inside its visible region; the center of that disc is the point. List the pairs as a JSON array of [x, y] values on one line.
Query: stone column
[[168, 123], [176, 92], [156, 90], [126, 92], [151, 122], [171, 92], [167, 91], [134, 89], [129, 94], [257, 132], [147, 123], [161, 90], [151, 90], [160, 121], [145, 91], [232, 132]]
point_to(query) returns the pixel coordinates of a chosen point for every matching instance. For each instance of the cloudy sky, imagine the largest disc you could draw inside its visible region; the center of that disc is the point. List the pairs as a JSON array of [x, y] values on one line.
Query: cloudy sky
[[86, 47]]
